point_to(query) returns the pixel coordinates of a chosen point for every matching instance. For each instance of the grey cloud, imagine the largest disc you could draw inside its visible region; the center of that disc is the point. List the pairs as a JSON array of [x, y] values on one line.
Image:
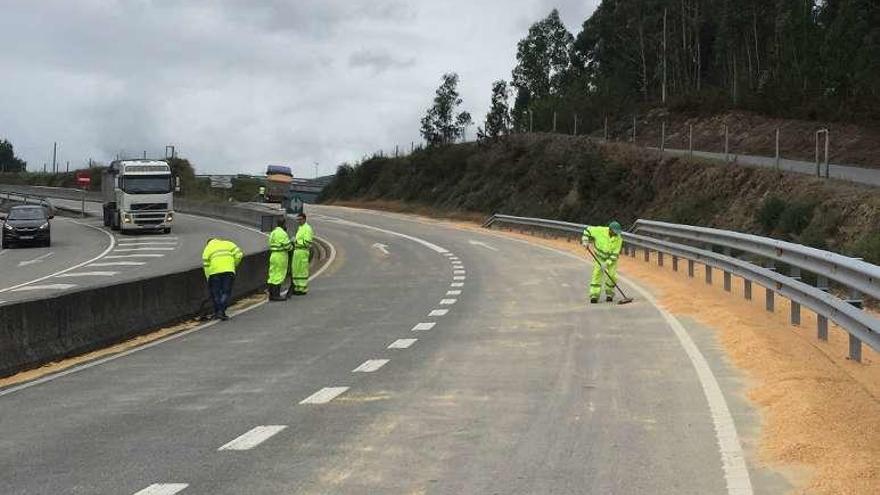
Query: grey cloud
[[378, 61]]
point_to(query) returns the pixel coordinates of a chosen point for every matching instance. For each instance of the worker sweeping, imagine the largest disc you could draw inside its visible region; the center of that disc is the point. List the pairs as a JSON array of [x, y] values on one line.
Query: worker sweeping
[[279, 256], [220, 258], [607, 242], [302, 245]]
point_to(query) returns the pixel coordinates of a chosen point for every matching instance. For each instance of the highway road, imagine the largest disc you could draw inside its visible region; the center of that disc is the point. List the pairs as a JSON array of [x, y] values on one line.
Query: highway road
[[84, 253], [426, 359]]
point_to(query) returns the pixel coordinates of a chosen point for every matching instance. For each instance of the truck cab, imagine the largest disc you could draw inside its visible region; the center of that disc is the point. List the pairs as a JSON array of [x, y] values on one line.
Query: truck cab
[[138, 196]]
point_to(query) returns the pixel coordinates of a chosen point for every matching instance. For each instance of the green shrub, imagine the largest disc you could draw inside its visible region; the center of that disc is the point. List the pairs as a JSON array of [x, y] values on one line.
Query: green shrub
[[769, 213], [868, 248], [795, 218]]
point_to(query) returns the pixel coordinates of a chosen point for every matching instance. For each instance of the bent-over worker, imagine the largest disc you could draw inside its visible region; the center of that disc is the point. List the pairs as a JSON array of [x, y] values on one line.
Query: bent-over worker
[[220, 258], [279, 257], [607, 242], [302, 244]]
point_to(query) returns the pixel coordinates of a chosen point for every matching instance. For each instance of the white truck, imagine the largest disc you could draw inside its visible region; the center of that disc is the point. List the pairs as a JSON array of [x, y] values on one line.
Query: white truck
[[138, 195]]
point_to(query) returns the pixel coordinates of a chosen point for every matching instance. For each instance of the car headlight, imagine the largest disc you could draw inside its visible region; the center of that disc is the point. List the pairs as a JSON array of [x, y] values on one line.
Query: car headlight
[[44, 226]]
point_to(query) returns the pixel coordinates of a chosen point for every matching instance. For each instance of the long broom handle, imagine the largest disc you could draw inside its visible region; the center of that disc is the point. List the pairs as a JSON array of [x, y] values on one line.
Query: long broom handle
[[602, 267]]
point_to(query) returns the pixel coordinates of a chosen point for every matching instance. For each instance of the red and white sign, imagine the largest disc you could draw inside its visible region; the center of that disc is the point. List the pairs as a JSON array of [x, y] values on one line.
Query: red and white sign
[[83, 180]]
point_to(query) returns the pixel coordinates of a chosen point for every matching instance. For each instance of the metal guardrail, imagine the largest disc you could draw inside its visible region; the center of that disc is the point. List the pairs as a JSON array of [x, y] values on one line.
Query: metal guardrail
[[25, 198], [855, 274]]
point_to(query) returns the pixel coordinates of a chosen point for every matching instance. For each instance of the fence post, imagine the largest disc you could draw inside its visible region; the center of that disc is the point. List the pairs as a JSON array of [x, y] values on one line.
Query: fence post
[[662, 136], [726, 144], [827, 163], [634, 130], [691, 139], [575, 124], [659, 258], [606, 128], [708, 270], [554, 121], [691, 268], [777, 148], [674, 263], [747, 289]]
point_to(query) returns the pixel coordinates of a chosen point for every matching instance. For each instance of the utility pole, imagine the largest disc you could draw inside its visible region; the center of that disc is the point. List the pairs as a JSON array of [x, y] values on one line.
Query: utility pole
[[664, 56], [54, 154], [777, 148], [575, 133], [68, 165], [554, 121], [145, 154], [316, 170]]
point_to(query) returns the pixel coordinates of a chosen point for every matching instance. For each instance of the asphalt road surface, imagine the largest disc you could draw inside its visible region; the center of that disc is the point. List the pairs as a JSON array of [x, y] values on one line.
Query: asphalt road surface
[[425, 359], [84, 253]]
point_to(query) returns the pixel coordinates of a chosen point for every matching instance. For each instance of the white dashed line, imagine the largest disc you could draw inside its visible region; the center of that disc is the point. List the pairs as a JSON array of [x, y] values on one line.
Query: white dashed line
[[88, 274], [162, 489], [370, 365], [459, 272], [402, 343], [458, 263], [324, 395], [453, 293], [254, 437], [144, 249], [447, 254], [456, 284], [421, 327], [45, 287], [120, 263], [459, 277], [454, 258], [447, 302], [438, 312], [121, 256]]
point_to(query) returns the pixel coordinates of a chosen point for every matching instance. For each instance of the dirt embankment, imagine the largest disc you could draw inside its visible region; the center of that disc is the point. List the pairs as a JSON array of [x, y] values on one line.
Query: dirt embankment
[[574, 179], [753, 134]]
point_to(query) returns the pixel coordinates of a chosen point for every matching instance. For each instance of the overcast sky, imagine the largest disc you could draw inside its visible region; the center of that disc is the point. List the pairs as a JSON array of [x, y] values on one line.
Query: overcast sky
[[239, 84]]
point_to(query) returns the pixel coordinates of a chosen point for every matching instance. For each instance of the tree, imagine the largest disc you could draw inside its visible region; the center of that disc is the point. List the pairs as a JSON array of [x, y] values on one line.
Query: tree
[[8, 161], [440, 125], [543, 59], [498, 120]]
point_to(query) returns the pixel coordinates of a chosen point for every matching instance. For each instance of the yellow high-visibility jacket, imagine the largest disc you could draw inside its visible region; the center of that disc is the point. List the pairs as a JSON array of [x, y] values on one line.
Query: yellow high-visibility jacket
[[304, 236], [607, 247], [220, 256]]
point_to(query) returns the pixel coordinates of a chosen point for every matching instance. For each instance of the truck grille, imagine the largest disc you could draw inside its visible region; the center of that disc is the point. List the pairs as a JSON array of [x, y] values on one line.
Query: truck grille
[[149, 206]]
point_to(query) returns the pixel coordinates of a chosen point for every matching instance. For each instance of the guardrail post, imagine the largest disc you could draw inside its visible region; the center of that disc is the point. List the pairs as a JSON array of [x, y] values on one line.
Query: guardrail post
[[795, 313], [675, 263], [855, 345], [747, 289], [822, 328], [659, 258], [691, 268], [727, 281], [768, 299], [708, 270], [647, 255]]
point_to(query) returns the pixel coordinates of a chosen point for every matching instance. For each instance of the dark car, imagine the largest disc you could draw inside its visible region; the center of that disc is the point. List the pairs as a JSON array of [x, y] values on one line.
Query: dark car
[[26, 224]]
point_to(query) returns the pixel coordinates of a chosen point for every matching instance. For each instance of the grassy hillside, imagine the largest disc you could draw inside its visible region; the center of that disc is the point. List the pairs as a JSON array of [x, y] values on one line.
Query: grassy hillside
[[572, 178]]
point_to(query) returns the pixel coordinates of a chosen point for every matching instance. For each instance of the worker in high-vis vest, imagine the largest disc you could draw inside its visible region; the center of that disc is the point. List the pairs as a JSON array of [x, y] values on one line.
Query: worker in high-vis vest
[[220, 258], [607, 242], [279, 257], [302, 245]]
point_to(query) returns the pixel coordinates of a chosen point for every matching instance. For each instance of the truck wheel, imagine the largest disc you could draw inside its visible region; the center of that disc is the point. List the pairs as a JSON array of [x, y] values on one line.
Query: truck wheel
[[116, 222], [167, 230], [106, 218]]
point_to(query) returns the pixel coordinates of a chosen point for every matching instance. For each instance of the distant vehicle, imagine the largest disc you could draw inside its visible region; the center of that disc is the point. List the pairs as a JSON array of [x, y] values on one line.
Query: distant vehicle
[[27, 224], [278, 180], [138, 195]]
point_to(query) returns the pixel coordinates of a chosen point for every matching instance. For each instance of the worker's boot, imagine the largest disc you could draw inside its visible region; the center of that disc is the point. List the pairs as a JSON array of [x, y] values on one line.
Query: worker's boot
[[594, 300], [275, 292], [609, 298]]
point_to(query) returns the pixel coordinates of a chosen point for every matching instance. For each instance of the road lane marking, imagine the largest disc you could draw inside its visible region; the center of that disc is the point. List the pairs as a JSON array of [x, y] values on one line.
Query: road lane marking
[[74, 267], [448, 254], [88, 274], [122, 256], [35, 260], [421, 327], [121, 263], [454, 258], [458, 263], [254, 437], [134, 244], [456, 284], [402, 343], [447, 302], [438, 312], [459, 277], [370, 365], [459, 272], [324, 395], [382, 247], [162, 489], [124, 250], [453, 293], [423, 242], [45, 287], [482, 244]]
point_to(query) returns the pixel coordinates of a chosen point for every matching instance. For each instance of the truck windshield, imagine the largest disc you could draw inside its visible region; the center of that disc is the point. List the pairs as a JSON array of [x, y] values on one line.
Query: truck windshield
[[146, 184]]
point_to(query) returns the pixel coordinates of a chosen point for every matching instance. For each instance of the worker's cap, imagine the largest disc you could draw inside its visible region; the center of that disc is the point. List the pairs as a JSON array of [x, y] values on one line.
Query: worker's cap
[[615, 227]]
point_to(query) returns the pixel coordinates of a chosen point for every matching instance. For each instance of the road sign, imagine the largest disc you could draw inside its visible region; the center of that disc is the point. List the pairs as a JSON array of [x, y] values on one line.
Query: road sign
[[83, 181]]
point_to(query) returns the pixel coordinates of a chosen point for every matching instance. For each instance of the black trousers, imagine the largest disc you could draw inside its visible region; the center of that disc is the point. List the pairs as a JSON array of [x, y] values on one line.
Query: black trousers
[[220, 285]]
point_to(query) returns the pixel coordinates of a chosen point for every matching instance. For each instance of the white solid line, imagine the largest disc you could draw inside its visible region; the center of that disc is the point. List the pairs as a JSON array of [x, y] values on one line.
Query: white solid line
[[45, 287], [736, 473], [456, 284], [402, 343], [74, 267], [459, 277], [438, 312], [324, 395], [120, 263], [453, 293], [162, 489], [370, 365], [123, 250], [254, 437], [423, 242], [121, 256], [421, 327], [113, 357], [143, 244], [88, 274], [447, 302]]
